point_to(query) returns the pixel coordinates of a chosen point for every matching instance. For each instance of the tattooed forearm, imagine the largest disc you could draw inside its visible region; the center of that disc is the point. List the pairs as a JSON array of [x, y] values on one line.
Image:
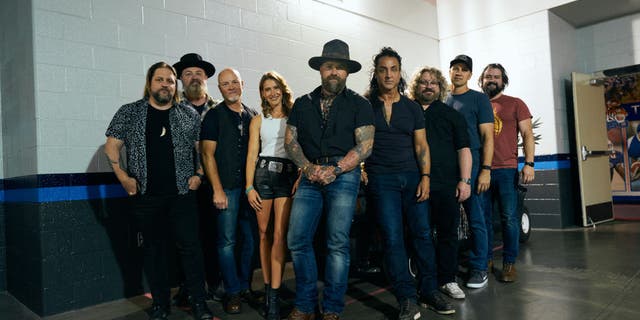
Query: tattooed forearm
[[421, 147], [293, 148], [362, 149]]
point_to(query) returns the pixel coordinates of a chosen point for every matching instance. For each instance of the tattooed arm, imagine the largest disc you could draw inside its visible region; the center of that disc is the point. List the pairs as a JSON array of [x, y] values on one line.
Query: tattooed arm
[[362, 149], [294, 150], [421, 147]]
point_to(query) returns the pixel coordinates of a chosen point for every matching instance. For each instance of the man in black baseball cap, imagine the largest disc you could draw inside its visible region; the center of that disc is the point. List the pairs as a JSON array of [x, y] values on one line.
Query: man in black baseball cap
[[477, 110], [461, 58]]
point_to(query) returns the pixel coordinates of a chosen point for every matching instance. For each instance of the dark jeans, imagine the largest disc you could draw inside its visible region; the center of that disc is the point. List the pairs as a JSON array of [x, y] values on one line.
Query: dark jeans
[[445, 218], [473, 208], [207, 224], [161, 218], [236, 264], [338, 199], [394, 198], [504, 190]]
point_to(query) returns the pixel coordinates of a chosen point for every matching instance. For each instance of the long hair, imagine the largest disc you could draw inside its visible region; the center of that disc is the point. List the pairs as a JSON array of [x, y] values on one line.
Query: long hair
[[152, 71], [442, 82], [374, 89], [505, 78], [287, 96]]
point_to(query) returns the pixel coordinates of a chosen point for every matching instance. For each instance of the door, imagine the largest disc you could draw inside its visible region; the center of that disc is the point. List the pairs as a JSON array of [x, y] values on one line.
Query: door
[[592, 148]]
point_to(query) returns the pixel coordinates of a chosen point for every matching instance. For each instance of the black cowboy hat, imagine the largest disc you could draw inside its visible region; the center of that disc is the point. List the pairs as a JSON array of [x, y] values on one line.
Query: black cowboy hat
[[336, 50], [194, 60]]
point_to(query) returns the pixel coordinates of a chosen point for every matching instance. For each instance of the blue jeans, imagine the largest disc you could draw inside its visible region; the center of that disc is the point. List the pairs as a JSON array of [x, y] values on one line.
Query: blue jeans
[[339, 202], [474, 209], [504, 183], [393, 197], [236, 218]]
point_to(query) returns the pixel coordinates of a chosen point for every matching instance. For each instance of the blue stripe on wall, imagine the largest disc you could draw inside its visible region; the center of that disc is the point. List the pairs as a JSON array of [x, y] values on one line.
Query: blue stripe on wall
[[54, 194]]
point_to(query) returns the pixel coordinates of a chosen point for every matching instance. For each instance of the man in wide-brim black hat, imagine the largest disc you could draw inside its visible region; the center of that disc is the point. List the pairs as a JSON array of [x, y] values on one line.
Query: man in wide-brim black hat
[[194, 72], [329, 132]]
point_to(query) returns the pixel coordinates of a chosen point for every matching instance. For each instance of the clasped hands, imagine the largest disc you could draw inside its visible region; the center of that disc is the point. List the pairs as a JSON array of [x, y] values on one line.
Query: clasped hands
[[323, 175]]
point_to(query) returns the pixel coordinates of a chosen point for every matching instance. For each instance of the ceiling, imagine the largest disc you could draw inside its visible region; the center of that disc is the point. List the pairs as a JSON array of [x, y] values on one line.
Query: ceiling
[[587, 12]]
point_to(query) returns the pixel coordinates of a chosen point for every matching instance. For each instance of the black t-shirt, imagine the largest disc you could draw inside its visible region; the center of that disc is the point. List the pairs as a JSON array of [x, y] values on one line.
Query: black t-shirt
[[230, 130], [349, 111], [446, 133], [161, 171], [393, 146]]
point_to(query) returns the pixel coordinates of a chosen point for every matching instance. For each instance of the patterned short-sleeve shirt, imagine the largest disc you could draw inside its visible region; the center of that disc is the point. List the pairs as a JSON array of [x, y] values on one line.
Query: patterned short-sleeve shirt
[[129, 125]]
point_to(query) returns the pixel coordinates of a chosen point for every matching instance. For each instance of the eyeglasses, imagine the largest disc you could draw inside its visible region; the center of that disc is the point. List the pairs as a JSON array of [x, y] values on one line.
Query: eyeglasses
[[428, 83]]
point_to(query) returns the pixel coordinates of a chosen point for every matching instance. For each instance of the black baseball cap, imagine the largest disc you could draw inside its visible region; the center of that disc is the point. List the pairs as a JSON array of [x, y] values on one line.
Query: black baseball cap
[[464, 59]]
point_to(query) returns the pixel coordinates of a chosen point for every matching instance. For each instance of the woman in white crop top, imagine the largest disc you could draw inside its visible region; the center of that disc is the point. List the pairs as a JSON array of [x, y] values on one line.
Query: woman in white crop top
[[270, 182]]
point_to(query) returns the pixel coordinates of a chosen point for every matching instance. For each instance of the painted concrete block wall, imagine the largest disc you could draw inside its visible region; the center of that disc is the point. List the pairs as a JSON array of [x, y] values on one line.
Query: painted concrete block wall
[[90, 56], [522, 46], [610, 44], [563, 63], [465, 16], [18, 105]]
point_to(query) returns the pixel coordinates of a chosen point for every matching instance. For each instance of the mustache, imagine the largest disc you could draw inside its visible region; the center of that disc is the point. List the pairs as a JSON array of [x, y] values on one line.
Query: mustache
[[492, 83]]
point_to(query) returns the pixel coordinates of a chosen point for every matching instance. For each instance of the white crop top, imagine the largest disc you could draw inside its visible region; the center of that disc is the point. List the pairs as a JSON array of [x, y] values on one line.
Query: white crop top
[[272, 137]]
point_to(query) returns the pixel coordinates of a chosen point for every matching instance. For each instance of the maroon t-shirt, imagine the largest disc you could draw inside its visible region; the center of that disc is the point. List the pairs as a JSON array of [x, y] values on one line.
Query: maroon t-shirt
[[507, 111]]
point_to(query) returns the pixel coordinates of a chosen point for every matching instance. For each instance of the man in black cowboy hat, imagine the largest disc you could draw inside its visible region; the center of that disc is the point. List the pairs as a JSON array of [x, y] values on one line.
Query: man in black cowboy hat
[[194, 72], [329, 132]]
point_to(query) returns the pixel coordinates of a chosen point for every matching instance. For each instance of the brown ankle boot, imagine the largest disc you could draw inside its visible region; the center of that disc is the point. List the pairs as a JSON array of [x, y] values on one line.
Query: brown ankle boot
[[509, 273]]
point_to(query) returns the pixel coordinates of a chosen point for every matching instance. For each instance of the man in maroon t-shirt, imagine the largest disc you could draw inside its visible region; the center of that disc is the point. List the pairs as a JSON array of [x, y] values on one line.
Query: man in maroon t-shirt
[[511, 116]]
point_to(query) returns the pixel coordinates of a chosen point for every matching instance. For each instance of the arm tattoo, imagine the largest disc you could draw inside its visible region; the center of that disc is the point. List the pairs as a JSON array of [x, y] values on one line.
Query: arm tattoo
[[362, 149], [293, 148]]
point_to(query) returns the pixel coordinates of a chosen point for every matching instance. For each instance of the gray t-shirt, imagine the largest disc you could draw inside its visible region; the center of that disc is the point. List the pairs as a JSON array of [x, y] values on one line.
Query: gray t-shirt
[[476, 109]]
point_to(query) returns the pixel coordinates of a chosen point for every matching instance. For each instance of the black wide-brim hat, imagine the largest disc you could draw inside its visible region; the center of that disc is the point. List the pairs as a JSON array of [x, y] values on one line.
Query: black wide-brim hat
[[194, 60], [335, 50]]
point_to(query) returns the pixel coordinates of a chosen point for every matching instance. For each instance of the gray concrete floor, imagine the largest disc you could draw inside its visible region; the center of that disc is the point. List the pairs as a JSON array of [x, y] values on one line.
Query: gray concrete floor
[[580, 274]]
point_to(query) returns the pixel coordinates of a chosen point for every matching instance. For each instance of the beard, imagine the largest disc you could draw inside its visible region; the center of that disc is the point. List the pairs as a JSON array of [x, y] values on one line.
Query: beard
[[195, 90], [492, 89], [162, 96], [333, 87], [425, 99]]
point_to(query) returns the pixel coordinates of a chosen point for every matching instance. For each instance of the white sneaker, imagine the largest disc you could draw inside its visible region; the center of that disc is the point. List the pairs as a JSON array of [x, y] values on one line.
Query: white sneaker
[[453, 290]]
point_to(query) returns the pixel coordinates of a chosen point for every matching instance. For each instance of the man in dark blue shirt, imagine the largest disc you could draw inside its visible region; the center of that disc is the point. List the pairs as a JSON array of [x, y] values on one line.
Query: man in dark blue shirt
[[329, 132], [225, 138], [477, 111]]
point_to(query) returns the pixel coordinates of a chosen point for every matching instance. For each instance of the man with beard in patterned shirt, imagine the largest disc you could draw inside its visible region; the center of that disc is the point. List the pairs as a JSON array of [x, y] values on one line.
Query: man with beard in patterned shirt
[[160, 136]]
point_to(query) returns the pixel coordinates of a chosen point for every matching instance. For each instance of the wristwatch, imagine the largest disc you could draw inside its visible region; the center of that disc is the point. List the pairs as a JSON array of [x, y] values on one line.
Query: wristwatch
[[337, 170], [530, 164], [466, 180], [485, 167]]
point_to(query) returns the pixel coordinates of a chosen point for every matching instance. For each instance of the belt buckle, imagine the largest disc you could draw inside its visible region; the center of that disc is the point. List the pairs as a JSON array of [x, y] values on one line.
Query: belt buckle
[[275, 166]]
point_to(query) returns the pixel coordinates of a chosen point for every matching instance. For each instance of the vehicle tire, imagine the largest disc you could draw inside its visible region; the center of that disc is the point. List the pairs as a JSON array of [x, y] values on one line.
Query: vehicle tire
[[525, 225]]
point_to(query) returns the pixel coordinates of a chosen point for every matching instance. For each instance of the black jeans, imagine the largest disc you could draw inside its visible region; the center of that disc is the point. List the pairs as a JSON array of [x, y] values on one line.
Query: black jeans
[[161, 219], [445, 218]]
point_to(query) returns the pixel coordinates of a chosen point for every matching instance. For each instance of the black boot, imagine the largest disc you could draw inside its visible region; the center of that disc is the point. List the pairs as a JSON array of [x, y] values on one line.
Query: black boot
[[265, 306], [273, 311]]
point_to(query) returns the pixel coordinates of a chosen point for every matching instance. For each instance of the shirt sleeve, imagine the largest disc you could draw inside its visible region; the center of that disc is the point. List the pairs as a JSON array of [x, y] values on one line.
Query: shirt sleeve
[[522, 111], [418, 115], [485, 111], [293, 115], [209, 129], [364, 115], [118, 126], [460, 133]]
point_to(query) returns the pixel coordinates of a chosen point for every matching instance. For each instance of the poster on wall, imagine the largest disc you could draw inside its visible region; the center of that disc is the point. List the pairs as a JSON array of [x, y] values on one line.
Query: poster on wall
[[622, 96]]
